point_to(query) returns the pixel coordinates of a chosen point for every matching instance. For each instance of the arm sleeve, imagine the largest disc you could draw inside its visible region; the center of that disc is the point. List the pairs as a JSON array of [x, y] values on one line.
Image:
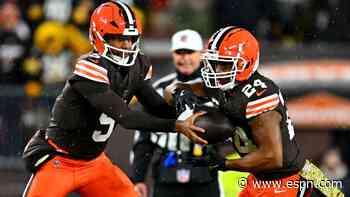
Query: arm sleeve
[[105, 100], [143, 149], [153, 102]]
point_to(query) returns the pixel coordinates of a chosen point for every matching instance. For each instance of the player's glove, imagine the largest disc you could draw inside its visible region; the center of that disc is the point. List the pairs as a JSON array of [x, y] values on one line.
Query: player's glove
[[183, 98], [213, 163]]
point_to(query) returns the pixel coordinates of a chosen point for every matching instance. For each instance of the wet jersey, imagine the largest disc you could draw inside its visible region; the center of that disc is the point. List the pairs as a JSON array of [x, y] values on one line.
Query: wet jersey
[[80, 126], [247, 101]]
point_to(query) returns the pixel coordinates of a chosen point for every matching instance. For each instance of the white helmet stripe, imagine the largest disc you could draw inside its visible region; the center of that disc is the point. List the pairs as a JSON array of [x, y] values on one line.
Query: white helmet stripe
[[128, 13], [212, 38], [217, 38]]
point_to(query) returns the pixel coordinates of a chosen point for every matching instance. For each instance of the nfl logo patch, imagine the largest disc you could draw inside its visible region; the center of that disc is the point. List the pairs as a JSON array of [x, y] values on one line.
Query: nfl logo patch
[[183, 175], [183, 38]]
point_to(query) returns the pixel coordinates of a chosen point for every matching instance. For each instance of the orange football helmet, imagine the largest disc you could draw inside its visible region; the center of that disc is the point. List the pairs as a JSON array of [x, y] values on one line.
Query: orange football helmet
[[230, 45], [115, 18]]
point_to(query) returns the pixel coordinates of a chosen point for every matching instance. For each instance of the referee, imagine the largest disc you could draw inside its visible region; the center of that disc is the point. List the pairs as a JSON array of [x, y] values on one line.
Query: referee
[[173, 174]]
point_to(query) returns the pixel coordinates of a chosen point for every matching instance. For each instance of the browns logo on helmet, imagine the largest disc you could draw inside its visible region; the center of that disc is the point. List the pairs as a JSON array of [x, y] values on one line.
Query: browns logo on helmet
[[111, 19], [234, 46]]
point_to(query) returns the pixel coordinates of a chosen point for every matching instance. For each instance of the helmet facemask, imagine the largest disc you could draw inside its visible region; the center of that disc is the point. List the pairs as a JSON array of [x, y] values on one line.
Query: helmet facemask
[[224, 80], [122, 57], [119, 56]]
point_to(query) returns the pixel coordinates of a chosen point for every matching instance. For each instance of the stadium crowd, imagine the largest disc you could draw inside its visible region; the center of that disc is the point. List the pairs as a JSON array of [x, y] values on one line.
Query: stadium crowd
[[39, 38]]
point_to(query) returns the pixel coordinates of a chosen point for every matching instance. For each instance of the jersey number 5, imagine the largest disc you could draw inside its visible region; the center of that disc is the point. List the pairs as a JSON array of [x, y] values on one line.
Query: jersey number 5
[[105, 128]]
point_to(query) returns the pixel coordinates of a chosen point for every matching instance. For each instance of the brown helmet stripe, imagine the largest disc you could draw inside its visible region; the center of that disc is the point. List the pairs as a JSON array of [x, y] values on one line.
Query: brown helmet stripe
[[128, 15]]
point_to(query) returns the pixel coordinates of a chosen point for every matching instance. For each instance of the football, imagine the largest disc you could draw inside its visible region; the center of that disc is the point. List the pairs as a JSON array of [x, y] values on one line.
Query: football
[[218, 127]]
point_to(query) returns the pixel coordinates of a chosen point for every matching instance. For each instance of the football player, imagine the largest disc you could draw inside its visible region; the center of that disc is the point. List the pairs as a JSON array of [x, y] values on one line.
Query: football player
[[68, 156], [264, 136]]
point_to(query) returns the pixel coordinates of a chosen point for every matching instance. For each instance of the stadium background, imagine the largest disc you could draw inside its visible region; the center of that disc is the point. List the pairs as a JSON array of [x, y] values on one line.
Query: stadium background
[[305, 49]]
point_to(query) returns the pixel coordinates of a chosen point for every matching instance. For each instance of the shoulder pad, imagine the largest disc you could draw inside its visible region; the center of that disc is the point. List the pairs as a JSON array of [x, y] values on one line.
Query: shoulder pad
[[91, 57], [262, 105], [262, 95], [88, 67]]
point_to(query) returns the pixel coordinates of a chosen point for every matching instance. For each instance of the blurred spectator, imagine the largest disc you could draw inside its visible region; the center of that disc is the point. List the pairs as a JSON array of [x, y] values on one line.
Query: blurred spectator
[[249, 14], [158, 14], [81, 14], [333, 166], [76, 12], [50, 39], [32, 11], [55, 46], [167, 16], [342, 139], [314, 20], [331, 21], [292, 22], [14, 40], [193, 14], [58, 10]]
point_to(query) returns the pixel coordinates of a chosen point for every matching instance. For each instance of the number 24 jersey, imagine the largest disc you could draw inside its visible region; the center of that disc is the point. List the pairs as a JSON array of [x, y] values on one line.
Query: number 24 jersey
[[249, 100]]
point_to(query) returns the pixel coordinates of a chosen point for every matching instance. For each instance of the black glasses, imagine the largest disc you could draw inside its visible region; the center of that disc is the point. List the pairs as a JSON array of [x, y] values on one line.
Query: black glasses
[[184, 51], [109, 37]]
